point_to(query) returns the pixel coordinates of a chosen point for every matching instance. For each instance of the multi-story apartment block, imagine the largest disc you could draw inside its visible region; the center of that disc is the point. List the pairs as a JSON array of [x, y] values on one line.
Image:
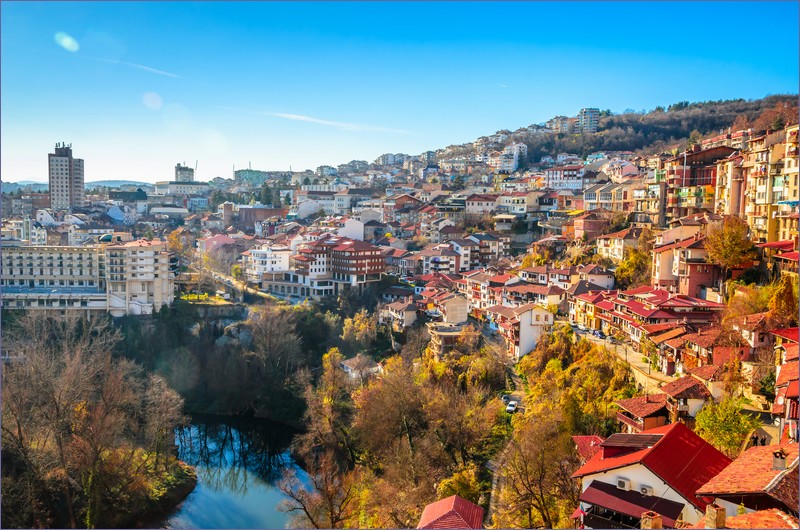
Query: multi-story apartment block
[[786, 214], [184, 173], [691, 181], [134, 278], [324, 267], [566, 178], [588, 120], [650, 201], [730, 187], [66, 179], [139, 278], [266, 259], [681, 267], [764, 173], [561, 124]]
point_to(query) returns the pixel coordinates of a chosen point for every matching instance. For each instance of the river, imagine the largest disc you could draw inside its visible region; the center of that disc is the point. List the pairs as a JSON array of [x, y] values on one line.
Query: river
[[238, 463]]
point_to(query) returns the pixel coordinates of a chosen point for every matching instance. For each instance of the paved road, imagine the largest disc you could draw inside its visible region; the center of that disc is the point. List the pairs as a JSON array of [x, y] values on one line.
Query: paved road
[[645, 376]]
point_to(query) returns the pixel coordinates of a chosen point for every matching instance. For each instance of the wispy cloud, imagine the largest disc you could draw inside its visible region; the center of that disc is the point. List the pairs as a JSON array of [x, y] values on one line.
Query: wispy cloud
[[502, 85], [139, 67], [345, 126]]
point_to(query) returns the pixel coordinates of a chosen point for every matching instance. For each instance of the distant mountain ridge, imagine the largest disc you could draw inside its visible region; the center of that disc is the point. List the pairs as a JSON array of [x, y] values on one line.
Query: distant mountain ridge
[[116, 183]]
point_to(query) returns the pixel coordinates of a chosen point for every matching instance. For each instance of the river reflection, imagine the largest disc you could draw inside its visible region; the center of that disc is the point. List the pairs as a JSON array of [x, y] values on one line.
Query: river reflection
[[238, 463]]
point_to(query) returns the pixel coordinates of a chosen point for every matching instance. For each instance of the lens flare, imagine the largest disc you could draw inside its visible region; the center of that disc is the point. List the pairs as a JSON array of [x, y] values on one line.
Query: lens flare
[[66, 42], [152, 100]]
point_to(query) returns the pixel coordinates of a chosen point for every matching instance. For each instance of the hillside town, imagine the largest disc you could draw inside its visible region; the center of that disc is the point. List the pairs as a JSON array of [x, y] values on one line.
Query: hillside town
[[682, 264]]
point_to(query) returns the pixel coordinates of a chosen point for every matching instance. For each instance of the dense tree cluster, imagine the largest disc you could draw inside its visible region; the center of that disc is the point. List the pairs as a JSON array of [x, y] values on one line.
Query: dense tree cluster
[[86, 437]]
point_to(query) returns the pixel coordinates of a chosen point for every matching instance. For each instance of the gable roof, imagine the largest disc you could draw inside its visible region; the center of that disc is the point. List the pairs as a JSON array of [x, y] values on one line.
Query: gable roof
[[643, 406], [752, 473], [771, 518], [709, 372], [680, 458], [791, 334], [686, 387], [587, 445], [451, 512], [631, 503]]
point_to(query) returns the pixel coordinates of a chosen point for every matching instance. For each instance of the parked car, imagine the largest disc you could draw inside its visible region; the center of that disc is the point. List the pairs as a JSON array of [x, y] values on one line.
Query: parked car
[[511, 407], [581, 327], [599, 334], [506, 398]]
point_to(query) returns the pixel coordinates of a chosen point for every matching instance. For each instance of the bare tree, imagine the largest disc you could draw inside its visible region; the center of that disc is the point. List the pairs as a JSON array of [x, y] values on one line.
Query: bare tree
[[329, 499]]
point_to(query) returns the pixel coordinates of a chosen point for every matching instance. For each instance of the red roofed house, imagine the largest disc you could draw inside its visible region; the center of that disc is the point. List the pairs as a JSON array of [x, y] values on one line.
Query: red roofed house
[[772, 518], [656, 470], [681, 266], [521, 327], [760, 478], [685, 397], [642, 413], [451, 512], [613, 246], [787, 402], [587, 446]]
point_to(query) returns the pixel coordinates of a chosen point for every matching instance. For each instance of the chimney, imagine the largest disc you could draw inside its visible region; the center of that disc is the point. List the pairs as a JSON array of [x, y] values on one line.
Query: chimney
[[651, 520], [715, 516], [779, 459]]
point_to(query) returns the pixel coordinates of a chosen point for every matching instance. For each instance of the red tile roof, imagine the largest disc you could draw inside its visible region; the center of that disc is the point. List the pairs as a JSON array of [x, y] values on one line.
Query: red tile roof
[[681, 459], [723, 354], [587, 445], [793, 390], [752, 473], [708, 372], [771, 518], [686, 387], [793, 256], [631, 503], [705, 338], [791, 334], [792, 350], [782, 245], [643, 406], [788, 373], [452, 512]]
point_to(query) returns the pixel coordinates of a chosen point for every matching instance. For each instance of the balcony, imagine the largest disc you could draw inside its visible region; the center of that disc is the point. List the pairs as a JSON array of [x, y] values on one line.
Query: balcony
[[627, 420], [591, 520]]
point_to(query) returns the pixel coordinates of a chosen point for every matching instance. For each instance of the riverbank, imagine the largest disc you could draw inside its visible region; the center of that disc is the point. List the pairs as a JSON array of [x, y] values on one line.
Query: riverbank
[[167, 489]]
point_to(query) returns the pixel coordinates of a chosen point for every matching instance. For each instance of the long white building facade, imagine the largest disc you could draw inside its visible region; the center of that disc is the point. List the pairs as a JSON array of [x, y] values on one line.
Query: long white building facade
[[132, 278]]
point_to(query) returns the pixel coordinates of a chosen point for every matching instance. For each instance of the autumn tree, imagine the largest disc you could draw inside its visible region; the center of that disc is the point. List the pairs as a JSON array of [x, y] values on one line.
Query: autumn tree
[[783, 307], [179, 243], [724, 425], [237, 273], [635, 269], [727, 246], [536, 474], [360, 330], [329, 413]]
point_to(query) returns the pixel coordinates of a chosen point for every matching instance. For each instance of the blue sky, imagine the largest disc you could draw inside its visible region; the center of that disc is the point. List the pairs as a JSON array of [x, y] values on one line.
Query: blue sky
[[139, 86]]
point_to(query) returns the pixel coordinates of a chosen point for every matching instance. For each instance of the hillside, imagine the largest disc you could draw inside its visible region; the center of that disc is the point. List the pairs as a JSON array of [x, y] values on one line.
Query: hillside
[[661, 129]]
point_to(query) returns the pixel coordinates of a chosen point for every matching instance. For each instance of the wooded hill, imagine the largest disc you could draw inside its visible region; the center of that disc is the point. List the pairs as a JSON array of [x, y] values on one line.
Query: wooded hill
[[659, 130]]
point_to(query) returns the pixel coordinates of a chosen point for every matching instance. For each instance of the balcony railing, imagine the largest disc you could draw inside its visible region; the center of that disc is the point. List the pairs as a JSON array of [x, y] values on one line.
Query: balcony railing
[[591, 520], [627, 420]]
